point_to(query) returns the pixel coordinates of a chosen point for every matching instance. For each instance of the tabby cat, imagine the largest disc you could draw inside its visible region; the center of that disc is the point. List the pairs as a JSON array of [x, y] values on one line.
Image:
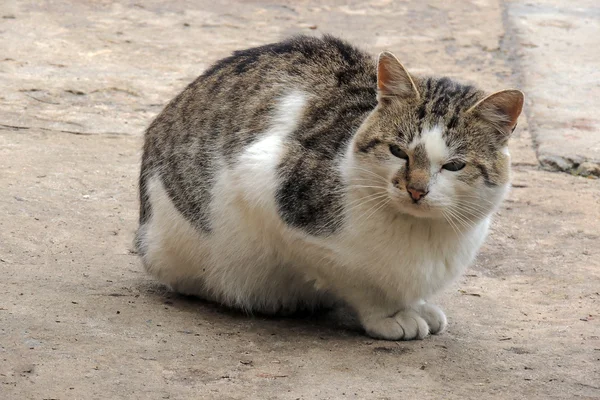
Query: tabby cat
[[306, 173]]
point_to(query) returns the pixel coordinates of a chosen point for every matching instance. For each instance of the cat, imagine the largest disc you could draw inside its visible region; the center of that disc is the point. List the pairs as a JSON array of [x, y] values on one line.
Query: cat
[[306, 173]]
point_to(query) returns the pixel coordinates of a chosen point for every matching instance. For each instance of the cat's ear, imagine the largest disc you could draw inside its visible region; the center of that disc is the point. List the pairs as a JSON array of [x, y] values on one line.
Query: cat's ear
[[502, 109], [393, 80]]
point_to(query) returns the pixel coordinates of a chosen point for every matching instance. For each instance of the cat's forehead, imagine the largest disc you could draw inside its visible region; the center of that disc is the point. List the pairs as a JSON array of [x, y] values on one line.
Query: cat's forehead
[[443, 100], [431, 144], [439, 95], [434, 129]]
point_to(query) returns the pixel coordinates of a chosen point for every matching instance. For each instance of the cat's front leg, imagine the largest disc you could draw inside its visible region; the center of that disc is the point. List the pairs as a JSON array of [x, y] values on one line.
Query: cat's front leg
[[411, 323]]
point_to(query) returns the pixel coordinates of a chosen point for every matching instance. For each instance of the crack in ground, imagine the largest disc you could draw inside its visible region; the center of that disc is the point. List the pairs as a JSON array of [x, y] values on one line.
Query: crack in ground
[[16, 128]]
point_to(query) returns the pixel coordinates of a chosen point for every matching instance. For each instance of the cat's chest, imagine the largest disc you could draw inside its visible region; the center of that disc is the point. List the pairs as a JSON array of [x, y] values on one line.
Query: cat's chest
[[416, 259]]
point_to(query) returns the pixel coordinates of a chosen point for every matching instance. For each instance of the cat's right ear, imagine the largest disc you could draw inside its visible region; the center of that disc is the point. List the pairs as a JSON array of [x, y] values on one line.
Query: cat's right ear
[[393, 80], [502, 109]]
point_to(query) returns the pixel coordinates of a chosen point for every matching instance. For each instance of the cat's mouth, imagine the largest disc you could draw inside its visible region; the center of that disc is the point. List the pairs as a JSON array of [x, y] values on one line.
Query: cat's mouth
[[421, 209]]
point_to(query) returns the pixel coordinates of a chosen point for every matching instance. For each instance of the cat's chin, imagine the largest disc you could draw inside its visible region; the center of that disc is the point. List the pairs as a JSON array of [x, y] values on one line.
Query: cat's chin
[[419, 211]]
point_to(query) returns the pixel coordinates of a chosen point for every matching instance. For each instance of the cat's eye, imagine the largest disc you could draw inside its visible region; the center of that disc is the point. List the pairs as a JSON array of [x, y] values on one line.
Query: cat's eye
[[454, 166], [398, 152]]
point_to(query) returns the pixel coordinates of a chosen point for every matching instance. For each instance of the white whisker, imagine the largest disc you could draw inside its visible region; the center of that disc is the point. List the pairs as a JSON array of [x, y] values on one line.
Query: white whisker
[[369, 172]]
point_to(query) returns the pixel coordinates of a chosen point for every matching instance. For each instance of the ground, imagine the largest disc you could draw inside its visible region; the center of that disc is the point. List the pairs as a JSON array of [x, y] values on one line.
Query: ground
[[80, 319]]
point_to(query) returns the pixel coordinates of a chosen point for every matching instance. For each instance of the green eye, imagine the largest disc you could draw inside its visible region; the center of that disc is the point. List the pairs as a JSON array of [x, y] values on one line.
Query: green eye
[[454, 166], [398, 152]]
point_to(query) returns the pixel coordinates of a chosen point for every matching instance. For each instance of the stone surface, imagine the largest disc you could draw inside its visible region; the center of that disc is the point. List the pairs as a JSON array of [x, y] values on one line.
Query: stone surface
[[556, 45], [79, 318]]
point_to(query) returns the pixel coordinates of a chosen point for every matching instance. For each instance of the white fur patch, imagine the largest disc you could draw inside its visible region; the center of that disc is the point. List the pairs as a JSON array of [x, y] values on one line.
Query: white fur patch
[[256, 170], [289, 111], [434, 143]]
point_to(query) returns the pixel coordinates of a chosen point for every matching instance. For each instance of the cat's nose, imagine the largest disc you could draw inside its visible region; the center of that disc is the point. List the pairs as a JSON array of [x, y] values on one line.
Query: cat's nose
[[416, 194]]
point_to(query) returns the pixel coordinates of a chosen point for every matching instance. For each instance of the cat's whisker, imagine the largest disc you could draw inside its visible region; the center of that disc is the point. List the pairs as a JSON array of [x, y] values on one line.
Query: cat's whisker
[[358, 200], [381, 196], [482, 215], [367, 186], [369, 172], [473, 211], [461, 219], [358, 217], [352, 178], [493, 226], [468, 222], [456, 222], [452, 215], [470, 197], [343, 210], [344, 190], [364, 169], [359, 179], [371, 182], [473, 223], [447, 218], [483, 207], [356, 203], [377, 206], [475, 204], [465, 217], [377, 209]]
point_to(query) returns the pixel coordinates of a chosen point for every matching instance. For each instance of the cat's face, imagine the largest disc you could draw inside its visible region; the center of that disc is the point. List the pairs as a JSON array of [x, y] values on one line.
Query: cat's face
[[437, 148]]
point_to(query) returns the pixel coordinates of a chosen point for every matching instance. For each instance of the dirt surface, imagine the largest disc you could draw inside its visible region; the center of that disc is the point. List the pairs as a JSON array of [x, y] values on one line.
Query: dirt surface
[[79, 319]]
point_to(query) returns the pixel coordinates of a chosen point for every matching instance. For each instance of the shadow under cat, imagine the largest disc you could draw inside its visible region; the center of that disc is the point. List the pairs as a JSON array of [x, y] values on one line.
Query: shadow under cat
[[338, 321]]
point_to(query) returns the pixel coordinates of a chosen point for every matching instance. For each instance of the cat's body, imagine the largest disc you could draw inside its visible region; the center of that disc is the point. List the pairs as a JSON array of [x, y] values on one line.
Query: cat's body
[[269, 185]]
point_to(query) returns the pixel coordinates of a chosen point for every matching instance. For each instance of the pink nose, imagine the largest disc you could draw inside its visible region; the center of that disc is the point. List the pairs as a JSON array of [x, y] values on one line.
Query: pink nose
[[416, 194]]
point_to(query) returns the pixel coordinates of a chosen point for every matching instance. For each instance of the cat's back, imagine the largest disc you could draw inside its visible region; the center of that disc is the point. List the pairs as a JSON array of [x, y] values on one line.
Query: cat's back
[[325, 85], [234, 96]]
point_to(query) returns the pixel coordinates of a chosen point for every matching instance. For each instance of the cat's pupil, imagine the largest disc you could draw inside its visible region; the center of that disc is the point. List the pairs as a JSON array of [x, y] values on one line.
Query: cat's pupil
[[454, 166], [398, 152]]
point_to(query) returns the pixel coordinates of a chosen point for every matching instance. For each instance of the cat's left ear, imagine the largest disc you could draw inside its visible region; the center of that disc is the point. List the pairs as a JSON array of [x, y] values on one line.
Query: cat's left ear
[[393, 80], [502, 109]]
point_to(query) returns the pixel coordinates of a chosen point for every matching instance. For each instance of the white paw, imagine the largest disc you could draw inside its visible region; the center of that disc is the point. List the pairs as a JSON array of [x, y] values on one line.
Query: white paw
[[408, 324], [434, 316]]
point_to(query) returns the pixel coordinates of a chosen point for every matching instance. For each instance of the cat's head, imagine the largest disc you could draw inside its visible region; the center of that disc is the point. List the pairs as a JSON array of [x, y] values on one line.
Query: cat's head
[[436, 147]]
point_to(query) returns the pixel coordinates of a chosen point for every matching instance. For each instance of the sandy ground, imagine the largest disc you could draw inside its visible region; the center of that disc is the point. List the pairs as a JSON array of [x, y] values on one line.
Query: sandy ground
[[79, 319]]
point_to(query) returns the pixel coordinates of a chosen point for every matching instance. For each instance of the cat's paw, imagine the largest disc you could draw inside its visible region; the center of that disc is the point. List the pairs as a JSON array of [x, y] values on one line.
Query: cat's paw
[[408, 324], [434, 316]]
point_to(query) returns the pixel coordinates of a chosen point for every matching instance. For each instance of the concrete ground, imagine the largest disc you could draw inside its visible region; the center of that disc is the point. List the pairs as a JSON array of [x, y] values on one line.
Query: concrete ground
[[79, 319], [556, 49]]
